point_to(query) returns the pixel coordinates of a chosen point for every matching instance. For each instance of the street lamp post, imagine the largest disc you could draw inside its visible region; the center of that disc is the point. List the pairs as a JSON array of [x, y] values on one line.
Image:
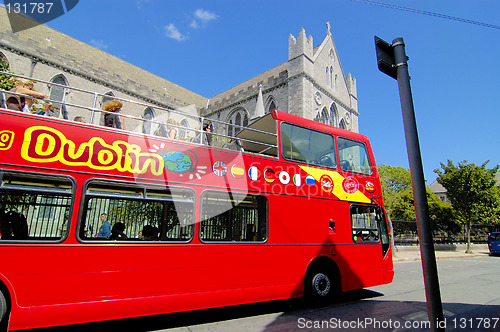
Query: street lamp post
[[392, 60]]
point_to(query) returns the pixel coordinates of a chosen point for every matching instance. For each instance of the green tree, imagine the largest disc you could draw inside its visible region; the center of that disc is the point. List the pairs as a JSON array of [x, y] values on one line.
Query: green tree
[[4, 78], [404, 208], [394, 180], [399, 203], [472, 193], [442, 219], [441, 215]]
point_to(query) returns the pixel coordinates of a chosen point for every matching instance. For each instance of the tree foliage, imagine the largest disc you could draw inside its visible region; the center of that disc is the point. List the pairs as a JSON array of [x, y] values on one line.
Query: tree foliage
[[394, 181], [394, 178], [472, 193], [399, 202], [4, 79], [441, 215]]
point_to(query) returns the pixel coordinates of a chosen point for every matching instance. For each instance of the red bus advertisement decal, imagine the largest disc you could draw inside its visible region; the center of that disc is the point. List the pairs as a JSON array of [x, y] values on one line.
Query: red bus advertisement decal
[[350, 185]]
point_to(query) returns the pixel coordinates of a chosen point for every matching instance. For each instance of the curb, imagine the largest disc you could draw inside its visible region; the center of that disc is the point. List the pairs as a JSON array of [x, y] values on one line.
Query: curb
[[414, 255], [416, 259]]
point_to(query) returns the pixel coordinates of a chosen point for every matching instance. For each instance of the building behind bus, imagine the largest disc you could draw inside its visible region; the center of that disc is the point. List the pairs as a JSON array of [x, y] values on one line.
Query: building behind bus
[[319, 92]]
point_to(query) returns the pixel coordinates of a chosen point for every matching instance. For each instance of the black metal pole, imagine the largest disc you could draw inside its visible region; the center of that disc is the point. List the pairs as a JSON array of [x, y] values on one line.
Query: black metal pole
[[431, 281]]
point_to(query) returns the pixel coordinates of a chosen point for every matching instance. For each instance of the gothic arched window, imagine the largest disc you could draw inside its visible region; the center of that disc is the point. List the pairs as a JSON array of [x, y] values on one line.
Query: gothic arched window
[[334, 115], [230, 128], [342, 124], [182, 129], [331, 78], [148, 116], [325, 117], [272, 106], [58, 93], [240, 119], [317, 118]]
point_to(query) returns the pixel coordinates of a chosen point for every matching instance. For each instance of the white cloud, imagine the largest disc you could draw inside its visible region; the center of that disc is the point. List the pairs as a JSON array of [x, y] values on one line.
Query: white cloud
[[194, 24], [204, 16], [171, 31], [200, 20]]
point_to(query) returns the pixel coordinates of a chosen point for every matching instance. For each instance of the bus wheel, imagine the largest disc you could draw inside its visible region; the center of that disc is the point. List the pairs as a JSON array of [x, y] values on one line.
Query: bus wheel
[[4, 317], [320, 287]]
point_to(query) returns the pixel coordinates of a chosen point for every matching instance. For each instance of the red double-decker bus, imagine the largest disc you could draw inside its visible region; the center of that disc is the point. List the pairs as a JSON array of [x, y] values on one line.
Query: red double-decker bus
[[99, 223]]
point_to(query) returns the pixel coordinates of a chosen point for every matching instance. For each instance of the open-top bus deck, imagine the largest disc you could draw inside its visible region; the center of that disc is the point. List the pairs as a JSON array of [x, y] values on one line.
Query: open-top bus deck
[[289, 207]]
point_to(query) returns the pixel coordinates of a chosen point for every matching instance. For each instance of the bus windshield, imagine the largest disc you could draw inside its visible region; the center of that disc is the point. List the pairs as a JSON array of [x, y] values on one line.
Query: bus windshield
[[307, 146], [354, 156]]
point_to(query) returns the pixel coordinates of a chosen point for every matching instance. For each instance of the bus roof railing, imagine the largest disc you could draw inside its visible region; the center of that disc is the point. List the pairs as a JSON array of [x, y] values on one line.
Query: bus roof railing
[[86, 103]]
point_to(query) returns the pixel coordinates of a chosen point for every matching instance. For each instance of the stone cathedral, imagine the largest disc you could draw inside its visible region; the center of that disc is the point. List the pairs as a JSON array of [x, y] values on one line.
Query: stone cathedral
[[310, 84]]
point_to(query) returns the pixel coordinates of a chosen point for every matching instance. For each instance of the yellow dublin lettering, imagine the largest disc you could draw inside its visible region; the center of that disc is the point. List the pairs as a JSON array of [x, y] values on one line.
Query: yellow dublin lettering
[[44, 145]]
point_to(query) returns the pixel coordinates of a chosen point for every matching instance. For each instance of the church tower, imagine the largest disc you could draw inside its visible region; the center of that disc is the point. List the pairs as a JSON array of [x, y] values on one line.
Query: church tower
[[300, 72], [317, 86]]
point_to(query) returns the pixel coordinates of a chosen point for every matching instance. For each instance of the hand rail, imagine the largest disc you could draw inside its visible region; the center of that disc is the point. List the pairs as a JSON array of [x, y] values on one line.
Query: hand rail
[[160, 121]]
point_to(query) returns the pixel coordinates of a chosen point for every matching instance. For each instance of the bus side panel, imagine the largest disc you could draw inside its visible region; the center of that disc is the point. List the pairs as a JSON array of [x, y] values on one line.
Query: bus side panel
[[134, 284], [75, 313], [18, 316], [159, 276], [363, 266], [220, 298], [360, 264], [388, 267], [160, 272]]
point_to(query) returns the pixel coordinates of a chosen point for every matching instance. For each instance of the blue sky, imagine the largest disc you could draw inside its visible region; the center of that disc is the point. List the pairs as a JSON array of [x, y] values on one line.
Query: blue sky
[[210, 46]]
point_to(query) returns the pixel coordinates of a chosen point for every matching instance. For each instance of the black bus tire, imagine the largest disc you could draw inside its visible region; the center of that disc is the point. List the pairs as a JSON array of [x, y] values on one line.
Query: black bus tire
[[4, 316], [321, 286]]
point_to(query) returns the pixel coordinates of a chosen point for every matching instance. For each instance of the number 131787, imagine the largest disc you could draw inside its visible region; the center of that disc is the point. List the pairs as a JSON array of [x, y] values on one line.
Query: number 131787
[[29, 8], [475, 323]]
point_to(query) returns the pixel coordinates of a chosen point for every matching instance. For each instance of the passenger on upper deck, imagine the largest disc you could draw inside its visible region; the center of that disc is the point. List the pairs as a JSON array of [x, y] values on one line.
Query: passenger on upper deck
[[79, 118], [207, 136], [168, 130], [113, 119], [25, 87], [171, 130]]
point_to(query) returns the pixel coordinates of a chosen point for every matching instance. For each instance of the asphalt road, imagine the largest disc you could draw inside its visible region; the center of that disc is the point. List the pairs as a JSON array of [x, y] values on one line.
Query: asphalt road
[[470, 292]]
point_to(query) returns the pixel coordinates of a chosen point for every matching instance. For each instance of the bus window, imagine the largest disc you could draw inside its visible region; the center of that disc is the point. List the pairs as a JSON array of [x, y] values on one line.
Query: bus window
[[307, 146], [365, 221], [353, 156], [233, 217], [150, 215], [384, 232], [34, 207]]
